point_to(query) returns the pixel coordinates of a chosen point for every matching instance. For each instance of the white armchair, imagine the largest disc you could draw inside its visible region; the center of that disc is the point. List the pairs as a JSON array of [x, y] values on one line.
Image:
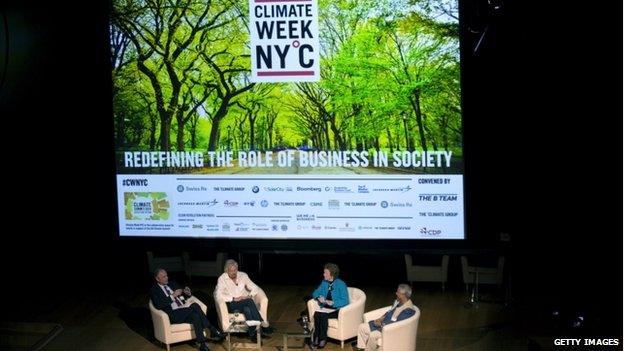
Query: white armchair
[[398, 336], [419, 273], [349, 317], [487, 275], [168, 333], [261, 300]]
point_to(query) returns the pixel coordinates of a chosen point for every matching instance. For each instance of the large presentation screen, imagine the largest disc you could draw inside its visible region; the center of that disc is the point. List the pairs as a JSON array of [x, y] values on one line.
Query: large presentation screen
[[288, 119]]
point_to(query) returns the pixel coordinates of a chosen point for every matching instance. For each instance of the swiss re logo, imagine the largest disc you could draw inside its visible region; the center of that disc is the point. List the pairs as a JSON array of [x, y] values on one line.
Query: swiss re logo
[[134, 182]]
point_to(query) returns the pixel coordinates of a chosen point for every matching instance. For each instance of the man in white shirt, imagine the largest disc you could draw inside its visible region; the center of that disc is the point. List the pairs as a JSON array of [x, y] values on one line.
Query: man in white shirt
[[238, 291]]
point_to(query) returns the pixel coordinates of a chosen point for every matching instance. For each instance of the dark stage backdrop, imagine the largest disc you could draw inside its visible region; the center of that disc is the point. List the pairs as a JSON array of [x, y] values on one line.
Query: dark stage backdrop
[[541, 133]]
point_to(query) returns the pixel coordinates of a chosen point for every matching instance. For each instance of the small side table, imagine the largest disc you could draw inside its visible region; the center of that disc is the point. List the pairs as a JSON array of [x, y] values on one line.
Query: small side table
[[298, 334], [242, 328]]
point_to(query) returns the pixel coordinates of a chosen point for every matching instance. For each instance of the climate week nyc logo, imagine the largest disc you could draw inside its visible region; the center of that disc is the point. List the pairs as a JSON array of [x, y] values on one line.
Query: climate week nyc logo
[[284, 41], [146, 206]]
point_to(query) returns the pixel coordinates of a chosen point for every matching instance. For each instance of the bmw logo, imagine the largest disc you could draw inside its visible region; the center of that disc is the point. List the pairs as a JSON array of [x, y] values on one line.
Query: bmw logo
[[255, 189], [384, 204], [180, 188]]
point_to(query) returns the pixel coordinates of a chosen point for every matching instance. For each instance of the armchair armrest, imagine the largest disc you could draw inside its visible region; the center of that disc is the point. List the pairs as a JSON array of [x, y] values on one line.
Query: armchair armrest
[[374, 314], [312, 306], [351, 314], [193, 299], [222, 313], [401, 334], [391, 328], [161, 317], [162, 325], [262, 302]]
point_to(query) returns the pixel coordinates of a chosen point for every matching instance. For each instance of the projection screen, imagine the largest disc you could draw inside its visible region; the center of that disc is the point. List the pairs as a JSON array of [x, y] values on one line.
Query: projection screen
[[288, 119]]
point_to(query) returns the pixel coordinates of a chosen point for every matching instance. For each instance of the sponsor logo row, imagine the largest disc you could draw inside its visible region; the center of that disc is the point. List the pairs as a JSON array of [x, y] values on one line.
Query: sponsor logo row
[[361, 189], [333, 204], [284, 227]]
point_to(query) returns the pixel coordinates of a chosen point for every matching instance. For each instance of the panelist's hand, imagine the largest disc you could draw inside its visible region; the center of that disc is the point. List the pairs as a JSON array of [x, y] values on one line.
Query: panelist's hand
[[329, 302], [321, 299], [177, 292], [377, 322], [187, 291]]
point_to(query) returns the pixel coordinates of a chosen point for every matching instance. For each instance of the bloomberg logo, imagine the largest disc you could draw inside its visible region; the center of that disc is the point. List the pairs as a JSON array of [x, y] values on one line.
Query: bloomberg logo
[[134, 182]]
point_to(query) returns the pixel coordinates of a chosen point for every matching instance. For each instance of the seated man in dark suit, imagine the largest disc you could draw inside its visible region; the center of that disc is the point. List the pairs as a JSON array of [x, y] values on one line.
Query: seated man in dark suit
[[170, 298], [403, 308]]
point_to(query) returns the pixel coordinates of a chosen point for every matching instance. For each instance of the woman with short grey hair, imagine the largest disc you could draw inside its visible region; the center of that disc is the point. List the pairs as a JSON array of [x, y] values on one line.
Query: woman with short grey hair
[[332, 293]]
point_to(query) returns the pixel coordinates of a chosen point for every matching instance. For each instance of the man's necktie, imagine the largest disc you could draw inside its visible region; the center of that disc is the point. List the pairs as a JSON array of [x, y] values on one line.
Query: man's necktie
[[176, 299]]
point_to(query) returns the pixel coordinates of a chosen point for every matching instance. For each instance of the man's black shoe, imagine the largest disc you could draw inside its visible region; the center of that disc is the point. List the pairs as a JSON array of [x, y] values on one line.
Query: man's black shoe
[[203, 347], [216, 336]]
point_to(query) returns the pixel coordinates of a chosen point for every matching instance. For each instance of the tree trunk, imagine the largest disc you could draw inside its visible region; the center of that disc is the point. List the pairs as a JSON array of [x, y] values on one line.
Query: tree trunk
[[164, 136], [216, 120], [180, 132], [337, 136], [252, 139], [164, 114], [327, 142], [415, 100], [152, 137], [193, 137]]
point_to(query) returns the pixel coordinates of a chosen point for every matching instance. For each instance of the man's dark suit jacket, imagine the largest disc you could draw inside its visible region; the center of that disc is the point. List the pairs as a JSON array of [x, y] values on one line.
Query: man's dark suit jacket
[[160, 300]]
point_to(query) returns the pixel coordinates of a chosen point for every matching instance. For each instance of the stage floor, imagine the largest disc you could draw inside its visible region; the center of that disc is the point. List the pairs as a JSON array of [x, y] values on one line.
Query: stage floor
[[121, 321]]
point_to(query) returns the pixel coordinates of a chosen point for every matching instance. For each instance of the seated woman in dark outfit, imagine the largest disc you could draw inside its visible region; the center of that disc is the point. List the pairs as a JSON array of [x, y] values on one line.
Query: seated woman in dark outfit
[[331, 293]]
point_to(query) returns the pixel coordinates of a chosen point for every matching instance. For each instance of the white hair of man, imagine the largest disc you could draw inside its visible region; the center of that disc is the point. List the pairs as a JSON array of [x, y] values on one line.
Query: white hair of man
[[229, 263], [405, 290]]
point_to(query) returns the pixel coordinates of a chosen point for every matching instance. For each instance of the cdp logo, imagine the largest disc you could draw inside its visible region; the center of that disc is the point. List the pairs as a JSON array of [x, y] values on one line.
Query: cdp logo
[[134, 182], [432, 232]]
